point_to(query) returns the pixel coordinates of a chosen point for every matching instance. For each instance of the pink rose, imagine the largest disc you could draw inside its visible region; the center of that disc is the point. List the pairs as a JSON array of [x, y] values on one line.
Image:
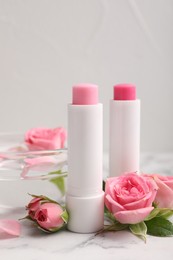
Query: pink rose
[[164, 196], [45, 138], [129, 197], [46, 213]]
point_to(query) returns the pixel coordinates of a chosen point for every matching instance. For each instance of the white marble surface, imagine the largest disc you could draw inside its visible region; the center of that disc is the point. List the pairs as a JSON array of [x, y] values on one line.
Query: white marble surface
[[35, 245]]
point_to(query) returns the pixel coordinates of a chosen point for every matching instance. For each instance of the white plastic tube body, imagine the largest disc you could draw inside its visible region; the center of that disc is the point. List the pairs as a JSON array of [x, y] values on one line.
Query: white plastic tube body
[[85, 198], [124, 136]]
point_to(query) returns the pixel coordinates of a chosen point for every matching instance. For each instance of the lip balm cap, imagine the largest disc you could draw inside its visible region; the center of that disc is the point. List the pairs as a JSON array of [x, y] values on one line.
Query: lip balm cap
[[124, 92], [85, 94]]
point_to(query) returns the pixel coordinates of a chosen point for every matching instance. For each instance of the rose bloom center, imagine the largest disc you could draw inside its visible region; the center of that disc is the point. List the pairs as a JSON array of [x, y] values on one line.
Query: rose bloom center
[[128, 191], [42, 216]]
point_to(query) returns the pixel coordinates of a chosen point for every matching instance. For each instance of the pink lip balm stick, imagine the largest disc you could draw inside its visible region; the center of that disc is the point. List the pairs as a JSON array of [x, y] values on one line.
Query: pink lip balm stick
[[124, 130], [85, 198]]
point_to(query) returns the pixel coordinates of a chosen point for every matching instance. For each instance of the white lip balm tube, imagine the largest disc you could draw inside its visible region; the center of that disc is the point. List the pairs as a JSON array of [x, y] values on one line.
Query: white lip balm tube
[[124, 131], [85, 198]]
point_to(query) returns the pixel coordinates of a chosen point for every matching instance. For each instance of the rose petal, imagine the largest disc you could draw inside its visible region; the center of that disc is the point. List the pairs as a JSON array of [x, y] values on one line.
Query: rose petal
[[40, 163], [138, 204], [138, 182], [109, 189], [133, 216], [146, 201], [10, 227], [166, 179], [112, 205], [34, 204], [44, 164], [169, 183], [164, 194]]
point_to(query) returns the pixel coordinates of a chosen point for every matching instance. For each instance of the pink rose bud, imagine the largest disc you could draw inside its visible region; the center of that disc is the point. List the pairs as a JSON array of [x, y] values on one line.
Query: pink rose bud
[[129, 197], [50, 217], [45, 138], [47, 214]]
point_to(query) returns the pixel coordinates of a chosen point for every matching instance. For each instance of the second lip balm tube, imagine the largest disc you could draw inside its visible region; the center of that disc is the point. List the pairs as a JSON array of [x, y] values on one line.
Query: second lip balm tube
[[124, 130], [85, 198]]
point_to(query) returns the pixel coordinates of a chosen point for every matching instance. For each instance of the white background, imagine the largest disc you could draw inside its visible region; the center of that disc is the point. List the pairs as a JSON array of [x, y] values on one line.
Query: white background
[[46, 46]]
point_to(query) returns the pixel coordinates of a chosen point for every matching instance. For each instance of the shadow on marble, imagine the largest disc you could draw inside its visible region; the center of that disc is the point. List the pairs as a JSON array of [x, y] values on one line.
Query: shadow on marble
[[12, 212]]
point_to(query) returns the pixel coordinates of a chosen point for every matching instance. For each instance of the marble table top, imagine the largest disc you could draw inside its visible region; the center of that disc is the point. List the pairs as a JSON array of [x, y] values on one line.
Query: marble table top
[[122, 245]]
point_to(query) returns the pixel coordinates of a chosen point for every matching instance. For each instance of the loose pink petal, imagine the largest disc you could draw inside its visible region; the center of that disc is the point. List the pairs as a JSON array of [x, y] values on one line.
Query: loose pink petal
[[40, 164], [24, 172], [133, 216], [3, 156], [43, 164], [10, 227]]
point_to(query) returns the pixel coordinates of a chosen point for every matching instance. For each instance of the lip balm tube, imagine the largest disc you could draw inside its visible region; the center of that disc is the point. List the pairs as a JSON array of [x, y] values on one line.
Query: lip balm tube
[[85, 198], [124, 131]]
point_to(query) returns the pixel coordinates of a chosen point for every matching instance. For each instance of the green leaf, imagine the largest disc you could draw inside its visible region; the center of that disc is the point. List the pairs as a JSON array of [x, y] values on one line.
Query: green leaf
[[58, 181], [155, 204], [153, 214], [43, 198], [110, 216], [26, 217], [139, 230], [165, 213], [64, 216], [160, 212], [55, 172], [53, 230], [159, 227]]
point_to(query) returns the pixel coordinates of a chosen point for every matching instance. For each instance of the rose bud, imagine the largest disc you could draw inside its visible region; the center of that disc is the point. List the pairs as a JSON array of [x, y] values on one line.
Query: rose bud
[[46, 213], [51, 217]]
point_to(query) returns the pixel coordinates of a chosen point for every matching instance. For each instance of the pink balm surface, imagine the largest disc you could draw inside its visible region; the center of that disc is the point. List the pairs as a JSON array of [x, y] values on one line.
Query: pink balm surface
[[124, 92], [85, 94]]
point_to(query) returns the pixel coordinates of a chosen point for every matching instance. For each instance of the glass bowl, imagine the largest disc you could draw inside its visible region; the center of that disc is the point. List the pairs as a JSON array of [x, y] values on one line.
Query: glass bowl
[[24, 172], [17, 162]]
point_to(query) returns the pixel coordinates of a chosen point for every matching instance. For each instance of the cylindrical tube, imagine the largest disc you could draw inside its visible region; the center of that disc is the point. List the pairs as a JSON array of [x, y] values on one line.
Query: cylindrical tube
[[85, 198], [124, 131]]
